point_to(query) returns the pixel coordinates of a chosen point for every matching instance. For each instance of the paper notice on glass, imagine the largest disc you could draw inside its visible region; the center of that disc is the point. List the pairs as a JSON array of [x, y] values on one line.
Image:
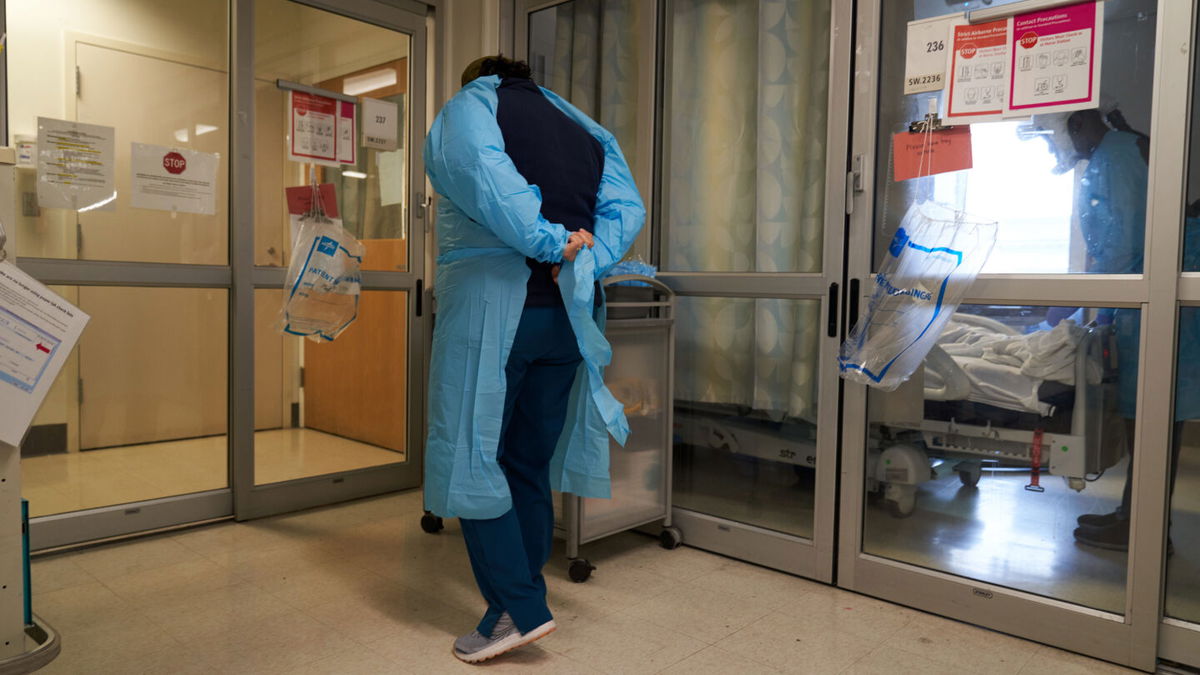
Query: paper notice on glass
[[313, 126], [978, 71], [300, 198], [38, 330], [170, 179], [1055, 59], [76, 165], [916, 155], [347, 140], [380, 123], [391, 177], [925, 58]]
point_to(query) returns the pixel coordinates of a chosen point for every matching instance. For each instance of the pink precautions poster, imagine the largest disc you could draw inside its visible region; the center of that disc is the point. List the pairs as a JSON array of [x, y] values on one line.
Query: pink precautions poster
[[1055, 59]]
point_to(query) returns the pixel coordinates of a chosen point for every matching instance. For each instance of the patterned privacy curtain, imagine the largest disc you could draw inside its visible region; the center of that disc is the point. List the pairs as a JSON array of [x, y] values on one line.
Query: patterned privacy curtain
[[595, 65], [746, 125]]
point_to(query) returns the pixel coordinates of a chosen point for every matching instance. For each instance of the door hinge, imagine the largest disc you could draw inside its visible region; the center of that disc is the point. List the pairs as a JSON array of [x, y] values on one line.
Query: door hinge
[[78, 81], [854, 182], [79, 238]]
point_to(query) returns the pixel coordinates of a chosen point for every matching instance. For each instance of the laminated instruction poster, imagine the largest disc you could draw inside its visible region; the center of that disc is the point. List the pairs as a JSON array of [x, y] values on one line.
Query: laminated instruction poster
[[347, 140], [76, 167], [1056, 59], [38, 330], [313, 128], [322, 129], [174, 179], [978, 64]]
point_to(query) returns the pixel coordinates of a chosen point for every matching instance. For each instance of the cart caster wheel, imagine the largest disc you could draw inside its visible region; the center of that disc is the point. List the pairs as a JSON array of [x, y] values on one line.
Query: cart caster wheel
[[580, 570], [431, 523], [670, 538], [969, 478], [900, 500], [897, 509]]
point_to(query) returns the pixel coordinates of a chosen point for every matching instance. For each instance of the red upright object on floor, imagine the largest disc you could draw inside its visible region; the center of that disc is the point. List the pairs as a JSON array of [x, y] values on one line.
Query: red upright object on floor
[[1035, 461]]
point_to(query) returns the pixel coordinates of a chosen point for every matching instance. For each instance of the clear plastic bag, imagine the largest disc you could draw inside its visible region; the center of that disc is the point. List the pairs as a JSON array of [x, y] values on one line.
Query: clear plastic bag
[[323, 281], [933, 259]]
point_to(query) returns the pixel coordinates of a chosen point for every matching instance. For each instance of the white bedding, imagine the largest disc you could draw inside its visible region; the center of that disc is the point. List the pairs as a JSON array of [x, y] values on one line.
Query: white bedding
[[1004, 368]]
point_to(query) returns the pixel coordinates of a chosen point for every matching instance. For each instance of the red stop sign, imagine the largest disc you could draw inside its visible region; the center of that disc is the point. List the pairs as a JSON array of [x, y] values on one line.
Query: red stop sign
[[1028, 40], [968, 50], [174, 162]]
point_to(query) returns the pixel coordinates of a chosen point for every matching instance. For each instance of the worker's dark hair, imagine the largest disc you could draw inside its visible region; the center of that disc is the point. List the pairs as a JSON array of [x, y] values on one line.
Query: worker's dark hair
[[496, 65]]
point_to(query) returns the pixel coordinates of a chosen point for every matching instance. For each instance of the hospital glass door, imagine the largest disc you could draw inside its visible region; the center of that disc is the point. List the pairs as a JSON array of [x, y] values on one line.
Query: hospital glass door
[[963, 489], [341, 419], [756, 264]]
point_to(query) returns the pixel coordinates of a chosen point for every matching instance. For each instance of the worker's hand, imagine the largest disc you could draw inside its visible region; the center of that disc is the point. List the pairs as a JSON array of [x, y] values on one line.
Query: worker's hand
[[554, 272], [575, 242], [587, 237], [572, 249]]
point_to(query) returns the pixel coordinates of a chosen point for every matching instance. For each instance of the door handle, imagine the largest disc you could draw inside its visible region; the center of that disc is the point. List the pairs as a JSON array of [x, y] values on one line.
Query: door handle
[[831, 322], [420, 295], [852, 302]]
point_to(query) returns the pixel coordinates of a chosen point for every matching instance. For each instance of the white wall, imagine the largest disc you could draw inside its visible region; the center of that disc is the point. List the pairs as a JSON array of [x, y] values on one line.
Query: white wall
[[471, 29]]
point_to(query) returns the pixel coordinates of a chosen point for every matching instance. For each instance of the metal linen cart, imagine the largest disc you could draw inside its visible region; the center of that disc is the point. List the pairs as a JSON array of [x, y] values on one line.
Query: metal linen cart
[[641, 329]]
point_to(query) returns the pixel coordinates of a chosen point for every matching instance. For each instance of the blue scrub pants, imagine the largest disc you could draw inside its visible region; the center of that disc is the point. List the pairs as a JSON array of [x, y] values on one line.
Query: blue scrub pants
[[508, 553]]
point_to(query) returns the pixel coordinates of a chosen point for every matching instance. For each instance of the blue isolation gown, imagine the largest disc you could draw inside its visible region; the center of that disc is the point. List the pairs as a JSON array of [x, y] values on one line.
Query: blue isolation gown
[[489, 220], [1112, 217]]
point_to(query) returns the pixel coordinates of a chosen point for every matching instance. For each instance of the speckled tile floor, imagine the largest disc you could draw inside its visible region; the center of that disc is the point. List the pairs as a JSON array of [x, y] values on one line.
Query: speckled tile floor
[[359, 588]]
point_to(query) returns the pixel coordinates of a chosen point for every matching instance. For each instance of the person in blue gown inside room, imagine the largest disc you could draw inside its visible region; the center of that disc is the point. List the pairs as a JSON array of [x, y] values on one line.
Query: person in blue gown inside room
[[1111, 207]]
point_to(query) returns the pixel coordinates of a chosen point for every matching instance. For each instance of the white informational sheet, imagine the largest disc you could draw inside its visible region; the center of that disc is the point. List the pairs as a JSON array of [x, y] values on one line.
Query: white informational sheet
[[347, 140], [391, 177], [170, 179], [381, 124], [38, 330], [76, 165], [978, 71], [1055, 59], [925, 57], [313, 128]]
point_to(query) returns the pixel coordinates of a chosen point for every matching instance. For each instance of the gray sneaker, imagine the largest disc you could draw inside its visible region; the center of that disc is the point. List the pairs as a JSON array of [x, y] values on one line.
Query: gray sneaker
[[476, 648]]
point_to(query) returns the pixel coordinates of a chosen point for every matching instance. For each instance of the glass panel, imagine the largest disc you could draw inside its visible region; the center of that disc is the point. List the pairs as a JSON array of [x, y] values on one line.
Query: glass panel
[[345, 56], [949, 465], [1080, 177], [1183, 562], [745, 126], [147, 76], [590, 52], [746, 410], [334, 406], [139, 411]]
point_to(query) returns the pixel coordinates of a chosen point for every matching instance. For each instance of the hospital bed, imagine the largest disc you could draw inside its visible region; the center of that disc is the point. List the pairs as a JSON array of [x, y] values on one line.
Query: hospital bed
[[986, 395]]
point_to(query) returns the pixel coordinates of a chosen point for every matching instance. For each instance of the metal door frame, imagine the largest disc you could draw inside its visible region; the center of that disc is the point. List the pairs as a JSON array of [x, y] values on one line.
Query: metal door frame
[[1130, 639], [808, 557], [255, 501], [242, 499], [1179, 640]]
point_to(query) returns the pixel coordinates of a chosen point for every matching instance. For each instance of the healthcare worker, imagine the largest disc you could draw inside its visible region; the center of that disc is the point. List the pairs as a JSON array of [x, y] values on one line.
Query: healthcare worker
[[1111, 206], [537, 203]]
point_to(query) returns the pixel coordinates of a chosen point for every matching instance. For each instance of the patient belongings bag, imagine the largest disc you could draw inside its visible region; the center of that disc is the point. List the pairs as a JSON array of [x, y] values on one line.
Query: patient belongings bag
[[932, 261], [323, 281]]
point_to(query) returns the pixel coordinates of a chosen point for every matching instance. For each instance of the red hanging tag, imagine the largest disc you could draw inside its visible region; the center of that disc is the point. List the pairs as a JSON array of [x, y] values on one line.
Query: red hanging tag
[[1035, 461]]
